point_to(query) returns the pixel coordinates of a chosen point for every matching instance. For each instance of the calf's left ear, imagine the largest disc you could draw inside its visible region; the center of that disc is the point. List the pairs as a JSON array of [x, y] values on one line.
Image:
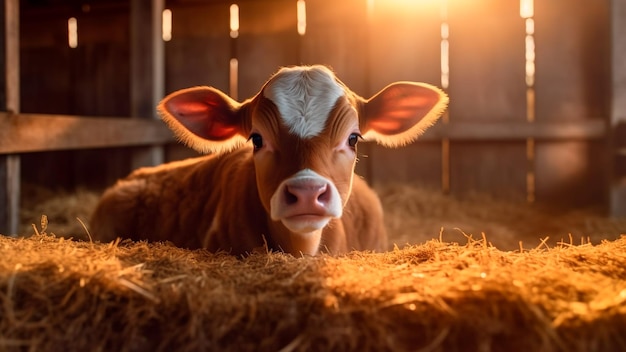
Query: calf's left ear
[[401, 112], [204, 118]]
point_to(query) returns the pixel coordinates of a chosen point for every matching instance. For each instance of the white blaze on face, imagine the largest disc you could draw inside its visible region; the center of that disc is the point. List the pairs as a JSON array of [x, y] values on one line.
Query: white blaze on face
[[304, 97]]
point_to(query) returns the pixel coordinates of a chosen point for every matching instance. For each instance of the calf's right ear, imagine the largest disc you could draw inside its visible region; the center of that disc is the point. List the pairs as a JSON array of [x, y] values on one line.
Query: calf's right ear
[[401, 112], [204, 118]]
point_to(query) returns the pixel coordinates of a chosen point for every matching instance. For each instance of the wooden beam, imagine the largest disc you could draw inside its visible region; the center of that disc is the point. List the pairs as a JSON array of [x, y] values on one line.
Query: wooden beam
[[147, 71], [617, 191], [10, 101], [25, 133], [498, 130]]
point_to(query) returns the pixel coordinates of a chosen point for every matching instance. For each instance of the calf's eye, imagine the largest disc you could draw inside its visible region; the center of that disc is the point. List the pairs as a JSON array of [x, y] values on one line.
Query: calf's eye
[[257, 141], [353, 139]]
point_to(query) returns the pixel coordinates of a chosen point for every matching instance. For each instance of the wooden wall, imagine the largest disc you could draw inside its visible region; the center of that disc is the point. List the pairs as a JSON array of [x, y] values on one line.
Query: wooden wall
[[572, 84], [369, 44]]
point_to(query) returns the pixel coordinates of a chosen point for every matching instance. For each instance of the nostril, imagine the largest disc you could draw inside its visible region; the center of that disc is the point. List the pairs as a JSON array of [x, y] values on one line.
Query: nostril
[[290, 198], [324, 194]]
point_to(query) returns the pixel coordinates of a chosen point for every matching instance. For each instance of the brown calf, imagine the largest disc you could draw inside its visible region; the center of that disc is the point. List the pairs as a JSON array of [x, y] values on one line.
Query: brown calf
[[281, 169]]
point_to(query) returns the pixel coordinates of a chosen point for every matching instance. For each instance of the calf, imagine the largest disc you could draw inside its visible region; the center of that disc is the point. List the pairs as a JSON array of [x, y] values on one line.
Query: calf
[[281, 172]]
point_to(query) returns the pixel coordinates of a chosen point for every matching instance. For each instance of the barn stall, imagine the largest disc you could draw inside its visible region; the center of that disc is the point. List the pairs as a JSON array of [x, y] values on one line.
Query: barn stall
[[529, 158]]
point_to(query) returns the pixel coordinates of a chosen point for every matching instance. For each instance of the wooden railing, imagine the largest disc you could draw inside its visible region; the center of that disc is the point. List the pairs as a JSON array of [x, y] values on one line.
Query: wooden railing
[[24, 133]]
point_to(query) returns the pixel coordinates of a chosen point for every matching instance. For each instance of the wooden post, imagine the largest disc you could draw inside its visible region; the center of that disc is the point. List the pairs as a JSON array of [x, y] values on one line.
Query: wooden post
[[618, 109], [147, 71], [9, 101]]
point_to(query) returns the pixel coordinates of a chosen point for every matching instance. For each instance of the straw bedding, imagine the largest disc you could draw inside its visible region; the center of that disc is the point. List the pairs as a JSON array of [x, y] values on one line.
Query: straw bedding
[[439, 295], [64, 295]]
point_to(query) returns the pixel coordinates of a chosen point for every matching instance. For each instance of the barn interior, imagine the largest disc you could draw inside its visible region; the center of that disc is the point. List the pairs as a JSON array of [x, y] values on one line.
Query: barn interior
[[530, 157], [534, 118]]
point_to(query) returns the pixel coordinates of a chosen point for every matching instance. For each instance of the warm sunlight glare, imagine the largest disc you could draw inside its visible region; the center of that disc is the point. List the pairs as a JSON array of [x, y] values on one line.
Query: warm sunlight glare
[[407, 3], [301, 17], [530, 104], [234, 21], [530, 26], [369, 9], [526, 8], [234, 78], [527, 13], [530, 52], [445, 49], [167, 25], [72, 32]]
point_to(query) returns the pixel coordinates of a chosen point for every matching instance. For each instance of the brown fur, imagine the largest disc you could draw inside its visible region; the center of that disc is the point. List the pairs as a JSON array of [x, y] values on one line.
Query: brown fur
[[233, 201], [176, 202]]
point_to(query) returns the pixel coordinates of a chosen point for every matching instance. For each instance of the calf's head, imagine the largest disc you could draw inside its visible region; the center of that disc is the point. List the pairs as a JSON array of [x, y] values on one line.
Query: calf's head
[[303, 128]]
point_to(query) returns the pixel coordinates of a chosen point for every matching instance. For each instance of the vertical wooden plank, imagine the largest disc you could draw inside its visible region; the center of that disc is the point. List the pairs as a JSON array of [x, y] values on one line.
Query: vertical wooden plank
[[4, 42], [9, 194], [10, 85], [572, 82], [100, 76], [336, 36], [617, 157], [147, 57], [147, 71], [199, 51], [99, 67], [46, 77], [487, 82], [268, 39], [404, 45], [12, 56]]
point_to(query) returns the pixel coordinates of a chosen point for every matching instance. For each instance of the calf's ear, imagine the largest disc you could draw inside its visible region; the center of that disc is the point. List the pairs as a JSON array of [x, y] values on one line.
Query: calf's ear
[[401, 112], [204, 118]]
